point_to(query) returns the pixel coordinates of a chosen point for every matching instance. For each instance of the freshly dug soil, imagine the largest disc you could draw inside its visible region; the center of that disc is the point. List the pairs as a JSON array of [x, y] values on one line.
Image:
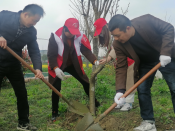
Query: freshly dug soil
[[126, 122]]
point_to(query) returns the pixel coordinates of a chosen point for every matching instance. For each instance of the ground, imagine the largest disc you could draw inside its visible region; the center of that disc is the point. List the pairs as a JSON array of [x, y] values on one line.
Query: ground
[[39, 97]]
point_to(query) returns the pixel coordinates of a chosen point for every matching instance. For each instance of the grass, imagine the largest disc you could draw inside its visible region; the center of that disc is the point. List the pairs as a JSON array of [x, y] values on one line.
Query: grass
[[45, 68], [39, 97]]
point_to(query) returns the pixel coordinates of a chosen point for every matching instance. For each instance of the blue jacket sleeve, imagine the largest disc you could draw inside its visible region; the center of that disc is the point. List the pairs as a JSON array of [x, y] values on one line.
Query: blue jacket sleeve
[[1, 16]]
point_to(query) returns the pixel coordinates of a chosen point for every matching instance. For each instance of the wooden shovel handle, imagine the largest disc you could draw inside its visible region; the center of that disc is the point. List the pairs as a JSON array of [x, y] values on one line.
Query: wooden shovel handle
[[134, 87], [34, 71]]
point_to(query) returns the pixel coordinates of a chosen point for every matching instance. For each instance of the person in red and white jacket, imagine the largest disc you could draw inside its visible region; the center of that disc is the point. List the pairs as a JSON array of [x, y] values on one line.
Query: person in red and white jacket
[[104, 35], [64, 55]]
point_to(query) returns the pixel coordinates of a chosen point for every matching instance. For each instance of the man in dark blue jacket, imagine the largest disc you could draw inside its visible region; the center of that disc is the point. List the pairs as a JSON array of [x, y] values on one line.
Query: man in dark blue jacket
[[16, 31]]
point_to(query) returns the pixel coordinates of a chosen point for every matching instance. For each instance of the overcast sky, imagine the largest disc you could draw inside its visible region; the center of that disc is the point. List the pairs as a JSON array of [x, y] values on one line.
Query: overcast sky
[[57, 11]]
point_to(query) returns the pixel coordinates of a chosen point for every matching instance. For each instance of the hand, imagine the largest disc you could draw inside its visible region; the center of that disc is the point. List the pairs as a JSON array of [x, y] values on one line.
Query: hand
[[39, 74], [59, 73], [118, 100], [164, 60], [104, 60], [96, 63], [3, 42]]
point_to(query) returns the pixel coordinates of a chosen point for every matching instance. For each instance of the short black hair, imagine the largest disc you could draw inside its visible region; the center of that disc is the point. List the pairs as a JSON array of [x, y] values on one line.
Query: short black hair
[[119, 21], [34, 9]]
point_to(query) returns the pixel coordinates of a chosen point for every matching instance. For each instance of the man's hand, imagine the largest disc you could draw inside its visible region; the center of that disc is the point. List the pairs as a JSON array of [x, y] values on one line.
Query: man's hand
[[59, 73], [104, 60], [118, 100], [39, 74], [164, 60], [3, 42]]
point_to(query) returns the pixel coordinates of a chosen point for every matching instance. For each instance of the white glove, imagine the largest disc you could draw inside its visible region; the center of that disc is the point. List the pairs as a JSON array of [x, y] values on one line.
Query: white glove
[[96, 62], [164, 60], [120, 102], [59, 73]]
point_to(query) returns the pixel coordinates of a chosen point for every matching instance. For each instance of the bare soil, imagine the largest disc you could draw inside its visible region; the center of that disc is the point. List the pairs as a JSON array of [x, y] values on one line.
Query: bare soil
[[124, 122]]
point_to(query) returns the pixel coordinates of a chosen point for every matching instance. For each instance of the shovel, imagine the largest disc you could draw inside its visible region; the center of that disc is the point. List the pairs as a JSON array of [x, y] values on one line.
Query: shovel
[[74, 106], [89, 124]]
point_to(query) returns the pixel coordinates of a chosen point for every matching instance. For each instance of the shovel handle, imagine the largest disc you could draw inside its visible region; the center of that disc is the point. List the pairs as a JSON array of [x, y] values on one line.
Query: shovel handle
[[34, 71], [133, 87]]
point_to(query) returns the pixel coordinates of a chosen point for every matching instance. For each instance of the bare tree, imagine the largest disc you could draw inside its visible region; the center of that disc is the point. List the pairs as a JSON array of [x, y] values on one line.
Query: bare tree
[[169, 19], [87, 12]]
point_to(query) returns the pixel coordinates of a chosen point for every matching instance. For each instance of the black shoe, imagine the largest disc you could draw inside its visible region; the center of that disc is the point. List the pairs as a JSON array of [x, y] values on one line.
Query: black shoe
[[97, 104], [26, 127], [55, 116]]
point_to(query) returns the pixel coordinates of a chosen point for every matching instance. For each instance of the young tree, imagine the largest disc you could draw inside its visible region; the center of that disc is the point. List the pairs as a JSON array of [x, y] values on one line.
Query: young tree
[[87, 12]]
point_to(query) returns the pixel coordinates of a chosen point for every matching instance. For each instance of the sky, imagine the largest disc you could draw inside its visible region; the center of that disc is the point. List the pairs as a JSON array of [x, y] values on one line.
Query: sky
[[57, 11]]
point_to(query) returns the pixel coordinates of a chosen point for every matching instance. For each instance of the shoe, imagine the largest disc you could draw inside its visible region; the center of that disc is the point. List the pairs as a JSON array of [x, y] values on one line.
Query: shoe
[[54, 116], [126, 107], [26, 127], [146, 126], [118, 107]]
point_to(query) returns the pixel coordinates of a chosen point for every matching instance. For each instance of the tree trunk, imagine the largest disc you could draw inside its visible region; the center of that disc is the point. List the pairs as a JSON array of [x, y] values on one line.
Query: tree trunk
[[92, 88], [92, 94], [95, 47], [93, 79]]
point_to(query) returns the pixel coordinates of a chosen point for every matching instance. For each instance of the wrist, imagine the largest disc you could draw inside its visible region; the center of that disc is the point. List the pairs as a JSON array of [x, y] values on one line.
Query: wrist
[[94, 62], [121, 91], [109, 58], [55, 67]]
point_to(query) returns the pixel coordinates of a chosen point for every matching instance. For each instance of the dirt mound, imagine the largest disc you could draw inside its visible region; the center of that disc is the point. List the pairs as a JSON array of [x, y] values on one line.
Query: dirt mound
[[120, 123], [71, 119], [124, 122]]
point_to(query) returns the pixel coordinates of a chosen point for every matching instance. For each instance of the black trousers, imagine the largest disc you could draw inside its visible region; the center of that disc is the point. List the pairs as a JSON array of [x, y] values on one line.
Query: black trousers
[[144, 89], [16, 78], [57, 84]]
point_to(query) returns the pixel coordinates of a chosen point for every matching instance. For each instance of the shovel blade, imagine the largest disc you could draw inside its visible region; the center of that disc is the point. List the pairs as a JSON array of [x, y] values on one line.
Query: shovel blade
[[85, 122], [78, 108], [95, 127]]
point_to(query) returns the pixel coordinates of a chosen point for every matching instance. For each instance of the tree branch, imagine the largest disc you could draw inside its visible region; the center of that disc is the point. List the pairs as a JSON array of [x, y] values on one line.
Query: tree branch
[[88, 8], [97, 5], [126, 11], [107, 8]]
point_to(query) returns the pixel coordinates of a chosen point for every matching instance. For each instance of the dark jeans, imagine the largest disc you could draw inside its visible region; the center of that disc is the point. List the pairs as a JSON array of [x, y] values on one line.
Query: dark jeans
[[144, 89], [57, 84], [16, 78]]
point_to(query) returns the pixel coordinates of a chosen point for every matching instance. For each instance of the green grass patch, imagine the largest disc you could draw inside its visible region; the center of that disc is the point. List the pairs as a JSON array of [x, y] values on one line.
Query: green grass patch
[[39, 97]]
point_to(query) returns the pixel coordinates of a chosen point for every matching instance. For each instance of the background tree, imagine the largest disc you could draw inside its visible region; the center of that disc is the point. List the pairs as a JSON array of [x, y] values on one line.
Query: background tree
[[88, 11], [44, 58]]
